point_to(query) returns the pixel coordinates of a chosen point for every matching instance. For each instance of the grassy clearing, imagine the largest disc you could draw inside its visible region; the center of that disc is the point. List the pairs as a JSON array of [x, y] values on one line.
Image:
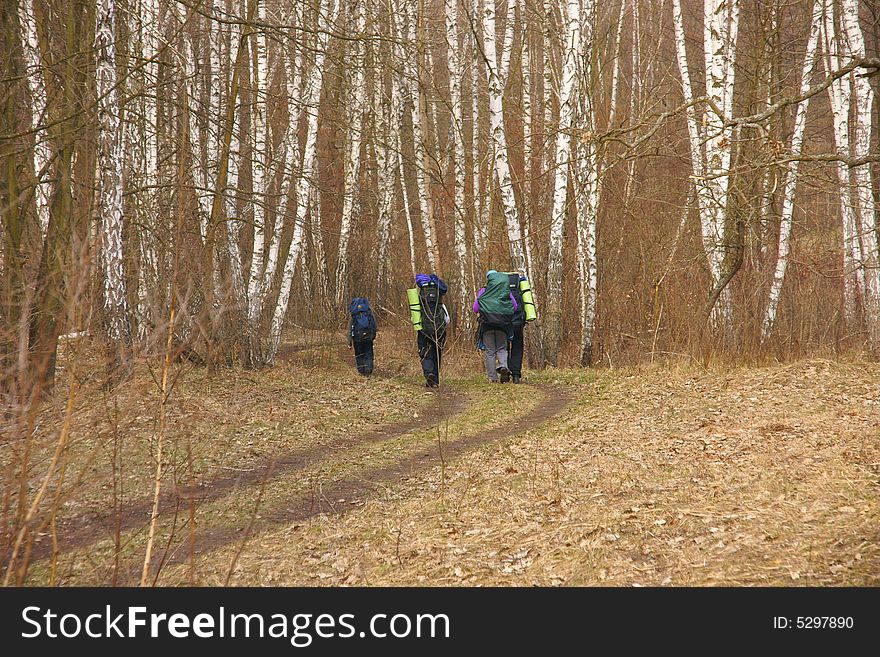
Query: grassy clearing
[[729, 477], [651, 476]]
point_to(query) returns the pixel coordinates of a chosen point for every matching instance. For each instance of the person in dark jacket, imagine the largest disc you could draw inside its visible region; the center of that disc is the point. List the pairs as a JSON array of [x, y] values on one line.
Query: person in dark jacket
[[361, 333], [515, 353], [432, 337]]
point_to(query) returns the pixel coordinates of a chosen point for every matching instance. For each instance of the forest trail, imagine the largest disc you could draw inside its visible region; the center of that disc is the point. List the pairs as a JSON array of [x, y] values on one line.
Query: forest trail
[[446, 404], [338, 497]]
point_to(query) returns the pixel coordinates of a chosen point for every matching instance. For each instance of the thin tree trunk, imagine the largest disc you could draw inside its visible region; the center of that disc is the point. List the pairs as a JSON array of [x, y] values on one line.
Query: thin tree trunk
[[863, 97], [719, 38], [453, 58], [110, 165], [259, 186], [37, 88], [789, 186], [228, 189], [839, 97], [414, 96], [326, 19], [499, 141], [386, 163], [587, 185], [355, 105], [552, 336], [482, 200]]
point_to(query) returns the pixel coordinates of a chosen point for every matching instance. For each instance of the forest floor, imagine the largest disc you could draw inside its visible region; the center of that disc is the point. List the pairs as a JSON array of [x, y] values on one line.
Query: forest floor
[[307, 474]]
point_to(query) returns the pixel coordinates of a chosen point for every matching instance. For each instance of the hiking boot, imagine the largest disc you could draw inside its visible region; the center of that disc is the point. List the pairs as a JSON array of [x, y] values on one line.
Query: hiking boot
[[505, 374], [431, 382], [515, 378]]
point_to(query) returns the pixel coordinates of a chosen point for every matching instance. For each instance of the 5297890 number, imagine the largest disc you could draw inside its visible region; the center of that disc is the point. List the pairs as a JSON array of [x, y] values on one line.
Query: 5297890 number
[[823, 622]]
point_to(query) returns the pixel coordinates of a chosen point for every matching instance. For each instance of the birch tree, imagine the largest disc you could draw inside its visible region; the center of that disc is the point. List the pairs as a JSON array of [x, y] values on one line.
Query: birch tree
[[587, 182], [567, 91], [711, 142], [326, 18], [356, 99], [482, 200], [455, 72], [789, 186], [719, 37], [110, 164], [863, 100], [260, 181], [501, 160], [144, 146], [839, 95], [37, 88], [408, 16]]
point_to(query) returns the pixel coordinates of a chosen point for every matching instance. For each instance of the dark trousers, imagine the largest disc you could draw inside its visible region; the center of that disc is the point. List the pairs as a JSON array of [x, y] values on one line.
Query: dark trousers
[[430, 352], [515, 355], [363, 356]]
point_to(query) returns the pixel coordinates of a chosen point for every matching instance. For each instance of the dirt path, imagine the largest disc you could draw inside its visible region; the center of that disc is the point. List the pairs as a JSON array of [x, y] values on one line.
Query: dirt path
[[357, 488], [82, 531]]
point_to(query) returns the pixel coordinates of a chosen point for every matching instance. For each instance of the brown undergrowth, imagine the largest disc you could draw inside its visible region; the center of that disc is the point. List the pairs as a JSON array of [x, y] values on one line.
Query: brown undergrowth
[[305, 474], [735, 477]]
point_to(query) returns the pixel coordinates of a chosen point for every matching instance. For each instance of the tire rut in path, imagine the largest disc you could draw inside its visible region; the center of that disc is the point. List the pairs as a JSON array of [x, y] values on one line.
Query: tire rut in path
[[300, 508], [136, 515]]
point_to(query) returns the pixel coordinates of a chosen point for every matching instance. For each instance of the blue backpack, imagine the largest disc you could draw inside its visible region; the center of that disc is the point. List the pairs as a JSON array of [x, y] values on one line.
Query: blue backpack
[[363, 324]]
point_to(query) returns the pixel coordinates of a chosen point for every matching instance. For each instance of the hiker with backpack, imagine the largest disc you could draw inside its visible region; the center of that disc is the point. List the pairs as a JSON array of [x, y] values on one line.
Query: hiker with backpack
[[361, 333], [496, 307], [520, 289], [430, 318]]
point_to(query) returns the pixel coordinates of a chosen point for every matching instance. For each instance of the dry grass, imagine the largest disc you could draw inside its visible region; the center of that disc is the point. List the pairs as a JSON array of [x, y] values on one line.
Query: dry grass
[[652, 476], [740, 477]]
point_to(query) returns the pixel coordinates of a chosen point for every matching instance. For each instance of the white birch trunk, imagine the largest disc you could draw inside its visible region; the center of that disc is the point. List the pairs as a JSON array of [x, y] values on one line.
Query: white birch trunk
[[414, 96], [386, 163], [482, 200], [453, 59], [261, 179], [148, 161], [234, 223], [356, 95], [37, 89], [499, 141], [863, 99], [110, 165], [839, 95], [789, 186], [503, 71], [528, 127], [615, 73], [288, 162], [719, 40], [560, 187], [326, 19], [587, 186]]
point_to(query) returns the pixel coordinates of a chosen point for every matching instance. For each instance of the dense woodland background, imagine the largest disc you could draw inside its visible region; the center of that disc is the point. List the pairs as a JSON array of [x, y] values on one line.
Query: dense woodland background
[[676, 177], [192, 190]]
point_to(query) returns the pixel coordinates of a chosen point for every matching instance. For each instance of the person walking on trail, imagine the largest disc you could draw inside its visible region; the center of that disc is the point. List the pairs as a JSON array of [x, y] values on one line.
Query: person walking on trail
[[496, 307], [434, 319], [361, 333], [515, 353]]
